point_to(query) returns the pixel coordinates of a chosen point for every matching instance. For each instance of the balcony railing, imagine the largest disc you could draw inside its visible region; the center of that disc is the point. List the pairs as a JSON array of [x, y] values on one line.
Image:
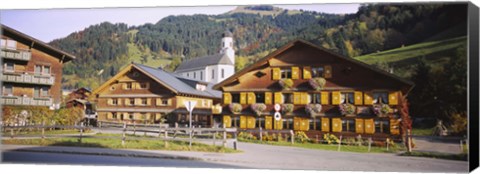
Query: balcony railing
[[27, 78], [16, 54], [26, 101]]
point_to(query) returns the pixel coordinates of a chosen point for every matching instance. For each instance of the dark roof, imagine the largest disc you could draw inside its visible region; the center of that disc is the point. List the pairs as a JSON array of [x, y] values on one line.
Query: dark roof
[[37, 44], [177, 83], [202, 62], [227, 34]]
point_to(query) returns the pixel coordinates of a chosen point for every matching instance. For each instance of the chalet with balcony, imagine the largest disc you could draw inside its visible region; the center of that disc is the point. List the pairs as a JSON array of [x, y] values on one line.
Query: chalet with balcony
[[143, 94], [31, 71], [318, 92]]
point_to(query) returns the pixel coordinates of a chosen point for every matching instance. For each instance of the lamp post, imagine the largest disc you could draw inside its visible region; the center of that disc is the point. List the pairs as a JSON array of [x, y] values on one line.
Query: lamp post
[[189, 105]]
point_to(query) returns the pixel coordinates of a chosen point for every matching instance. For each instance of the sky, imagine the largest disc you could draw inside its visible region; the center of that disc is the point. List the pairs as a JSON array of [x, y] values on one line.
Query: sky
[[49, 24]]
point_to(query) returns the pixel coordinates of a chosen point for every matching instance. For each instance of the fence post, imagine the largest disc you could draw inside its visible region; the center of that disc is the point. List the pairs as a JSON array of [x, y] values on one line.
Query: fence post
[[81, 133], [11, 133], [165, 139], [369, 143], [100, 124], [134, 128], [316, 137], [224, 136], [123, 135], [292, 137], [388, 142], [159, 130], [260, 136], [43, 129], [214, 137], [235, 141], [340, 143], [466, 143]]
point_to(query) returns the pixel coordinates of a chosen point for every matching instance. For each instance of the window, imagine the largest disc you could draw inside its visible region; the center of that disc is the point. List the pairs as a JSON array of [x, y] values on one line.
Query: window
[[194, 75], [9, 66], [40, 91], [235, 98], [7, 89], [144, 101], [223, 73], [380, 97], [165, 102], [201, 75], [44, 91], [213, 73], [132, 101], [46, 70], [315, 98], [347, 97], [114, 115], [143, 85], [130, 116], [311, 123], [287, 98], [286, 73], [114, 101], [348, 125], [382, 126], [259, 98], [188, 74], [128, 86], [36, 92], [11, 44], [318, 72], [3, 43], [38, 69], [42, 69]]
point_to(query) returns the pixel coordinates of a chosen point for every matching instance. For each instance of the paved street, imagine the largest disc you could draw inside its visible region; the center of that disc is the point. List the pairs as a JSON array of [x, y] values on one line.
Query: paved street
[[254, 156]]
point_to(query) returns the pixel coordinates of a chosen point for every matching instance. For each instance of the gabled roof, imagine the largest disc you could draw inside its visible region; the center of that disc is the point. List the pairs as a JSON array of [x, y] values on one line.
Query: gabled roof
[[202, 62], [171, 81], [35, 43], [265, 60]]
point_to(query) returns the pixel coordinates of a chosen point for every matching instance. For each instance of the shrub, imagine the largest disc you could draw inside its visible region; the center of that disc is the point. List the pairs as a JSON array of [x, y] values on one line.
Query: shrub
[[459, 126], [246, 136], [287, 108], [286, 83], [235, 107], [330, 138], [349, 141], [301, 137], [317, 83], [258, 108], [346, 109], [313, 109]]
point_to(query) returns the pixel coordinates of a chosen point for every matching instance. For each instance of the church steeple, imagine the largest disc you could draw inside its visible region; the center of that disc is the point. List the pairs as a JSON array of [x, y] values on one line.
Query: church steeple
[[227, 45]]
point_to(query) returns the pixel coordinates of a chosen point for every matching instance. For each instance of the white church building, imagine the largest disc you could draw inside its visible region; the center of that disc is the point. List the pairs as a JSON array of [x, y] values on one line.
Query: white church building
[[212, 68]]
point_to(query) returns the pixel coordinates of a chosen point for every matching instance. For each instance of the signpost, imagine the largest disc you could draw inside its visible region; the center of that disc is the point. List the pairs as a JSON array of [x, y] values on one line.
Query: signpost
[[277, 114], [189, 105]]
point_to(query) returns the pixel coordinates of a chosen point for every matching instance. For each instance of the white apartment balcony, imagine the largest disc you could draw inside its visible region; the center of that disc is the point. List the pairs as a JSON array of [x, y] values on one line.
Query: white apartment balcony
[[23, 55], [28, 78], [26, 101]]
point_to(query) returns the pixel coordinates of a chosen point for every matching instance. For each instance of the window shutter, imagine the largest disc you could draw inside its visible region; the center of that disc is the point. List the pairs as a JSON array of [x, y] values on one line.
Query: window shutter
[[325, 125], [243, 122], [149, 101], [268, 122], [307, 72], [147, 116], [243, 98], [336, 98], [138, 101], [306, 124], [324, 98], [395, 126], [158, 101], [125, 116], [358, 98], [328, 71], [276, 74], [369, 126], [296, 98], [127, 101], [304, 98], [268, 98], [250, 98], [368, 100], [169, 101], [296, 124], [278, 97], [393, 98], [119, 101], [124, 86], [109, 115], [295, 72], [227, 121], [227, 98], [278, 125], [359, 126], [109, 101], [336, 125], [251, 122]]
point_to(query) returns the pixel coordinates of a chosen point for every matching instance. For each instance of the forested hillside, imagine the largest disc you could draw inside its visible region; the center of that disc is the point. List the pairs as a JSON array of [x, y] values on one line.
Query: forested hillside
[[172, 39]]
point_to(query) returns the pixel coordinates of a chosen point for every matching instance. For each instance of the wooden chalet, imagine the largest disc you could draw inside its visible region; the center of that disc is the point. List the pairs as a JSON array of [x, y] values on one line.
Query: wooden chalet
[[32, 70], [318, 92], [143, 94]]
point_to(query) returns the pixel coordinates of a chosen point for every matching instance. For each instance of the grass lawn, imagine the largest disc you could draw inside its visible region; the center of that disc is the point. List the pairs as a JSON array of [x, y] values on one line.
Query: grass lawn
[[422, 131], [47, 132], [462, 156], [332, 147], [116, 143]]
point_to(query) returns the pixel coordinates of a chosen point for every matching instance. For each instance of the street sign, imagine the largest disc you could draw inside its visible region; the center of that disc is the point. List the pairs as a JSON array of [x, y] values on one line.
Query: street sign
[[189, 105], [277, 107], [277, 116]]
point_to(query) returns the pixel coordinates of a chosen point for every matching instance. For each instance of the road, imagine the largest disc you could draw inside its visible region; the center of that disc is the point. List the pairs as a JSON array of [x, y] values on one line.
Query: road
[[253, 156]]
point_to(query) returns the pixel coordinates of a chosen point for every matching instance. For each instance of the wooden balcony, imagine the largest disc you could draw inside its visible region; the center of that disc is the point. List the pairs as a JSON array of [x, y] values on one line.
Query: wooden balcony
[[26, 101], [27, 78], [22, 55]]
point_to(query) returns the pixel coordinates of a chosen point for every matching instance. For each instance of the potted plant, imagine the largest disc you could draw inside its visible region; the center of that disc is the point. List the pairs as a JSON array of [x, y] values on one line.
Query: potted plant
[[317, 83], [287, 108], [381, 109], [286, 83], [347, 109], [235, 108], [313, 109], [258, 108]]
